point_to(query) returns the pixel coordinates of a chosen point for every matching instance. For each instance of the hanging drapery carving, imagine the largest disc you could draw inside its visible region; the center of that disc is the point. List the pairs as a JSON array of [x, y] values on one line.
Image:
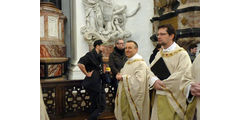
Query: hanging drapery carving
[[105, 21]]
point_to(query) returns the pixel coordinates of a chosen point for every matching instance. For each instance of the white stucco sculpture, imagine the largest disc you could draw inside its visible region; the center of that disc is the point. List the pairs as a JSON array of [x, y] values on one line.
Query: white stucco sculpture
[[93, 14], [105, 21]]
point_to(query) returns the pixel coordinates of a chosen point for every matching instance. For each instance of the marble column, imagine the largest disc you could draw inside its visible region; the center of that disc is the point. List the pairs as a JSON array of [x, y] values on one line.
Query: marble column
[[79, 46]]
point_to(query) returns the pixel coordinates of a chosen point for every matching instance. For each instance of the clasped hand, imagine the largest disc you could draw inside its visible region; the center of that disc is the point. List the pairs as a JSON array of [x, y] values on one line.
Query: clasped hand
[[119, 76], [159, 85], [195, 89]]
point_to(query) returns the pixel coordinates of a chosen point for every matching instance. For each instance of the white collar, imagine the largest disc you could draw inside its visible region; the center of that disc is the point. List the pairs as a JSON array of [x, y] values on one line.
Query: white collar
[[170, 48], [136, 56]]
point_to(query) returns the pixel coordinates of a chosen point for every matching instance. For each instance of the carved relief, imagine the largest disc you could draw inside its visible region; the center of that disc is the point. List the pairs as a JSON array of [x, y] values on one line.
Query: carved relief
[[77, 98], [105, 21], [49, 99], [52, 26]]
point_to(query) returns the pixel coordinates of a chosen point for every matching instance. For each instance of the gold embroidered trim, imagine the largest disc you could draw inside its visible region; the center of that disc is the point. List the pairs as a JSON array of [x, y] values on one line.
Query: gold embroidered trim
[[130, 62], [165, 89], [132, 98], [171, 53]]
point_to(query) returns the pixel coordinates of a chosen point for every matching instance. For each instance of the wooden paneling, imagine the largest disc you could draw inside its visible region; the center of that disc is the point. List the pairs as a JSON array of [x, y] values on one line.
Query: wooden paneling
[[61, 103]]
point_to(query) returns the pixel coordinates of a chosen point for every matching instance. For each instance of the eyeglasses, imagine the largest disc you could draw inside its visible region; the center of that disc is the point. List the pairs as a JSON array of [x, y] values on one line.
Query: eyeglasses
[[120, 43], [162, 34]]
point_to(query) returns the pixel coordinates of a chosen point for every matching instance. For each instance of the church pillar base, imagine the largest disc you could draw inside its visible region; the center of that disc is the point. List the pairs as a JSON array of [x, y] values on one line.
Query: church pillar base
[[75, 73]]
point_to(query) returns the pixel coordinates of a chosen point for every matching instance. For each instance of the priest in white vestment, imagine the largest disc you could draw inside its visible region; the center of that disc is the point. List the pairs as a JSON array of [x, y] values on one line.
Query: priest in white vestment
[[172, 61], [191, 89], [132, 99]]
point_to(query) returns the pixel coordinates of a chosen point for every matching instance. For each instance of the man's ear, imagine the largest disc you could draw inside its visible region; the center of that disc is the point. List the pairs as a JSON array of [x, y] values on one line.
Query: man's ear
[[172, 36]]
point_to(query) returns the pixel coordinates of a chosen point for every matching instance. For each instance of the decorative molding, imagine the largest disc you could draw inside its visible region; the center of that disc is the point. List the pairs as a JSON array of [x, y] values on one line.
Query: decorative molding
[[175, 13], [189, 32]]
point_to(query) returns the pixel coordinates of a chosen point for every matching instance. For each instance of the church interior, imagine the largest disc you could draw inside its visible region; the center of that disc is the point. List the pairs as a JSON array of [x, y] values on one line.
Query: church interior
[[68, 29]]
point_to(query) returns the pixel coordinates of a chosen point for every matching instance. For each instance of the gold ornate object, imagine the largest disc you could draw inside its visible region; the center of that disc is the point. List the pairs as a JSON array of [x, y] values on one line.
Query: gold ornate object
[[184, 21], [184, 1]]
